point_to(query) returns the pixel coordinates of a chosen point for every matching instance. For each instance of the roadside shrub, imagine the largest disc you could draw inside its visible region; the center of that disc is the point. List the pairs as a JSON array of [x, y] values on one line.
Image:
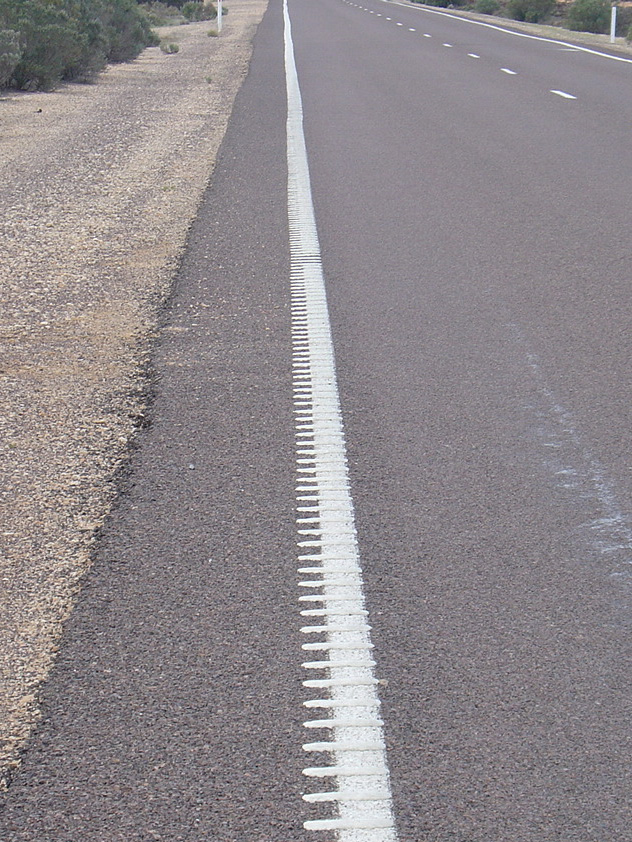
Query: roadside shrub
[[161, 14], [628, 37], [128, 30], [194, 11], [487, 7], [170, 48], [50, 41], [530, 11], [10, 54], [71, 39], [589, 16]]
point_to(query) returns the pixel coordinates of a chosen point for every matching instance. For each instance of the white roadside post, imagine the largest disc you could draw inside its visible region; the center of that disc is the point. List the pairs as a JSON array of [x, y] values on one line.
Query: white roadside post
[[613, 22], [219, 16]]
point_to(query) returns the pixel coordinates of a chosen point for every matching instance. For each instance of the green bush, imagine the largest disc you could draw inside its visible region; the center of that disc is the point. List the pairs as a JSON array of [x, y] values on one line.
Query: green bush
[[72, 39], [194, 11], [161, 14], [628, 37], [531, 11], [589, 16], [487, 7], [50, 40], [10, 53], [128, 30]]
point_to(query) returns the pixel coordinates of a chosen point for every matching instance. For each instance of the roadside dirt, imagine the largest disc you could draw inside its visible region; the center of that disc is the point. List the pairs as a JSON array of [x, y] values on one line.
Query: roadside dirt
[[99, 186]]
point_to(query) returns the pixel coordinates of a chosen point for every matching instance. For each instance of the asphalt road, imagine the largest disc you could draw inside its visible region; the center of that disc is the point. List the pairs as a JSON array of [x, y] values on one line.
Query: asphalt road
[[473, 227]]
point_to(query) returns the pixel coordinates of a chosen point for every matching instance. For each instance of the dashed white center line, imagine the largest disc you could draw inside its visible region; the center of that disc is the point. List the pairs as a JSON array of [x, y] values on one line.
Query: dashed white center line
[[427, 35], [563, 94], [410, 29], [400, 24], [473, 55], [508, 71], [447, 45]]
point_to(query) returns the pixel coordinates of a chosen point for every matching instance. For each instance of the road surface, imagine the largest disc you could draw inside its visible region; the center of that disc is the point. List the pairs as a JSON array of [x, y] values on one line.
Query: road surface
[[472, 190]]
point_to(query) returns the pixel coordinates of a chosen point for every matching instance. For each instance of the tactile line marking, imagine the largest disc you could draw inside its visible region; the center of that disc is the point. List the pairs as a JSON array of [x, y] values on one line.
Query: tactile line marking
[[358, 767]]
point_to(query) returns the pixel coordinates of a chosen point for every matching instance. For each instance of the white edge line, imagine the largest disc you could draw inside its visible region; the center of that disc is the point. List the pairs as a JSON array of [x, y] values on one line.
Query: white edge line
[[358, 763]]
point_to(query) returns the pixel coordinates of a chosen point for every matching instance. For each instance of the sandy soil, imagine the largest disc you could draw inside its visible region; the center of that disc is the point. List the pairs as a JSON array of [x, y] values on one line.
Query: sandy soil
[[99, 186]]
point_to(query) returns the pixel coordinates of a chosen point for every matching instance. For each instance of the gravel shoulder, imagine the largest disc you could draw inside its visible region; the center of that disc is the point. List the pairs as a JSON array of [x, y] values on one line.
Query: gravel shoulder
[[99, 186]]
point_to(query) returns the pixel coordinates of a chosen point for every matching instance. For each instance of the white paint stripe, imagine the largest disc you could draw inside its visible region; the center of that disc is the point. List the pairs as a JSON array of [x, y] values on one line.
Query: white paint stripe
[[344, 772], [456, 16], [319, 570], [327, 647], [353, 681], [335, 747], [336, 703], [564, 94], [330, 665], [349, 824], [371, 795], [343, 723], [510, 72], [360, 817], [320, 583], [331, 627], [331, 612], [473, 55]]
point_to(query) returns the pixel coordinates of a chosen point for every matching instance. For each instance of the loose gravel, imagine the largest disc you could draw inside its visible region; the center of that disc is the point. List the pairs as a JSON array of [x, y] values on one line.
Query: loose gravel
[[99, 186]]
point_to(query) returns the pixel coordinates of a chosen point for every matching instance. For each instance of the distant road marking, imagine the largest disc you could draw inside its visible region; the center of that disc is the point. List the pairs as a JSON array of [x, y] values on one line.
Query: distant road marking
[[447, 45], [508, 71], [357, 778], [514, 32], [473, 55], [563, 94], [400, 24], [410, 29]]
